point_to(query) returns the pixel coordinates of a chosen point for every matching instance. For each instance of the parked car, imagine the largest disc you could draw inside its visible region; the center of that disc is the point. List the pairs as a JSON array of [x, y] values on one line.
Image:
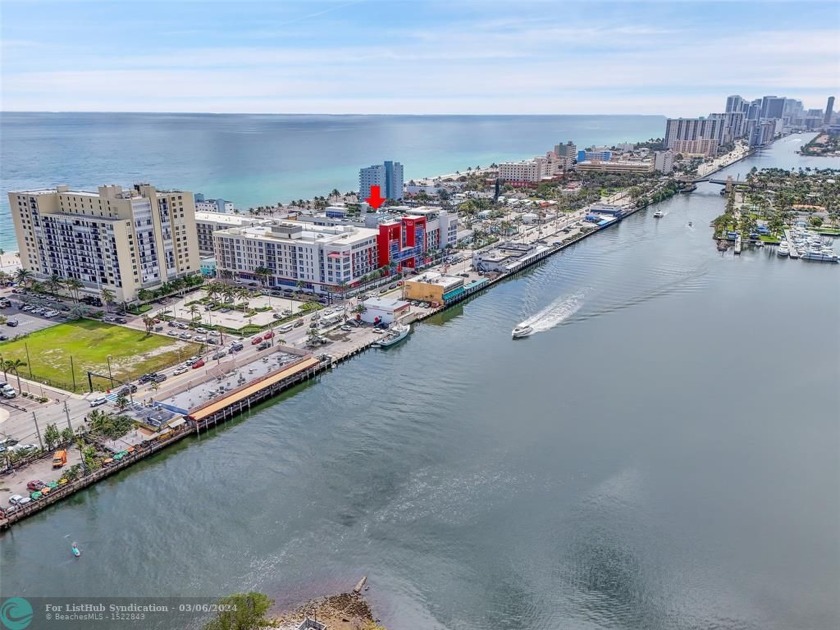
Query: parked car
[[265, 345], [346, 328], [121, 320], [198, 364], [256, 340], [12, 323], [16, 499], [35, 485], [99, 400], [4, 337]]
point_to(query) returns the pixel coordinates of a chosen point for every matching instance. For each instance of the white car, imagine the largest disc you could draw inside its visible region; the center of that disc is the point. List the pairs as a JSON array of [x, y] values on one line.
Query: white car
[[22, 448], [99, 400], [180, 370], [16, 499]]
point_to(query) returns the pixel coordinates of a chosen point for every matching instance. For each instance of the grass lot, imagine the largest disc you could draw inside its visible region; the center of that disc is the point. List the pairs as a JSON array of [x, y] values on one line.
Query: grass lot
[[90, 343]]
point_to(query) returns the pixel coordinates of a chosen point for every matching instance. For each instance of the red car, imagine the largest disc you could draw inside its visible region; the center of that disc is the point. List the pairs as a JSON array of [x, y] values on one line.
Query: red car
[[268, 335], [256, 340], [198, 364], [35, 485]]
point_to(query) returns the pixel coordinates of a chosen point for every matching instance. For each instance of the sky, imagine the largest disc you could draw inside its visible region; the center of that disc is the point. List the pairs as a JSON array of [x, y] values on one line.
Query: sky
[[675, 58]]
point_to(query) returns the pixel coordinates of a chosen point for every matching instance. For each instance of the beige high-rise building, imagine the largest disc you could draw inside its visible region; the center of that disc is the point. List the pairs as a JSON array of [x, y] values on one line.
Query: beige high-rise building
[[121, 240]]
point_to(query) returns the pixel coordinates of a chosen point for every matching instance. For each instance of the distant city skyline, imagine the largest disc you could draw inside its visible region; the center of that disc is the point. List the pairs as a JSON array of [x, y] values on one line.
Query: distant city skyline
[[424, 57]]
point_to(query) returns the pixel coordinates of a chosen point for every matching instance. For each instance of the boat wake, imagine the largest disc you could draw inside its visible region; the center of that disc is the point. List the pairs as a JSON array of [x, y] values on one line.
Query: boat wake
[[555, 313]]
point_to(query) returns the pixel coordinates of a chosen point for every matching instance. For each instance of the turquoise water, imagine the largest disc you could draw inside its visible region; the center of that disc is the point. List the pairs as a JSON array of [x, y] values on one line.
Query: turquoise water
[[662, 455], [256, 160]]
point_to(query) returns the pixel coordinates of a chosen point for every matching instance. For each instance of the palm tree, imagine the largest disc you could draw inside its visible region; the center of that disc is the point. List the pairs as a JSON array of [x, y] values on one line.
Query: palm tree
[[5, 278], [23, 277], [14, 365], [149, 323], [108, 296], [194, 312], [262, 274], [144, 295], [55, 283], [73, 285], [212, 290]]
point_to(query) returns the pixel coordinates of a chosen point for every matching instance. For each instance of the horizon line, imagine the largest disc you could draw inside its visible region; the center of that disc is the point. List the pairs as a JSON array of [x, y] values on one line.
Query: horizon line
[[35, 111]]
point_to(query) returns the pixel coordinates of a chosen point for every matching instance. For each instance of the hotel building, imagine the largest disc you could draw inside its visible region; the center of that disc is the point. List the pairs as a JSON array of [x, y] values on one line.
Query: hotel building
[[206, 223], [115, 239], [318, 257]]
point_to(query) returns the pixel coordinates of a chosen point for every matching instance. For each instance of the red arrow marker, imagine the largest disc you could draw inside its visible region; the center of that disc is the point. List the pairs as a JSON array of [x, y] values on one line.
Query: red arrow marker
[[375, 200]]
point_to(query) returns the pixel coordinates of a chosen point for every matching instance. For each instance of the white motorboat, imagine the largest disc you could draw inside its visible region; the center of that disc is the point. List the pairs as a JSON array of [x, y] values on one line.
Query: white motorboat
[[395, 335], [522, 331], [658, 214], [784, 250]]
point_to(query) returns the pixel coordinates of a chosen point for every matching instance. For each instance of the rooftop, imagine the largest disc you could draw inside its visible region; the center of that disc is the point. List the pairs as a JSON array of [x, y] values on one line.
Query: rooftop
[[385, 303]]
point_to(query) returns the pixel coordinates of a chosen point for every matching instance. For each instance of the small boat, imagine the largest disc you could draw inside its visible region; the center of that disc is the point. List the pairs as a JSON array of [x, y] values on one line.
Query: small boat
[[75, 549], [521, 331], [394, 336], [784, 250], [658, 214], [690, 224]]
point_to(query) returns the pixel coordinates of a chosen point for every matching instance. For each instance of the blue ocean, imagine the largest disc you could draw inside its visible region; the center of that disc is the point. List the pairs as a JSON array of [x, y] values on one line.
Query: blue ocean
[[256, 160]]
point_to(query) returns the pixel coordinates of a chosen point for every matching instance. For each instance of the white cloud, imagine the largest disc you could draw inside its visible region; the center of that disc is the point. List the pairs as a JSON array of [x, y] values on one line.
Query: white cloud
[[498, 65]]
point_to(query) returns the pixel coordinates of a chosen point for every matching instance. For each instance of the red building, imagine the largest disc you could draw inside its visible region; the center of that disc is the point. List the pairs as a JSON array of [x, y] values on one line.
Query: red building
[[403, 242]]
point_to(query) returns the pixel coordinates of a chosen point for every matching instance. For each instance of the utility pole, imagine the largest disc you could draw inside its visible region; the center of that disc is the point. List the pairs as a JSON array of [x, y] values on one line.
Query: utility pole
[[37, 431]]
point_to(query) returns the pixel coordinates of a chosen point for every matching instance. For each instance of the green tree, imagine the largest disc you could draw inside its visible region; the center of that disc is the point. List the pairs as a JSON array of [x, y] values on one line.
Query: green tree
[[52, 436], [24, 277], [262, 274], [149, 323], [14, 365], [73, 286], [67, 435], [108, 297], [242, 611]]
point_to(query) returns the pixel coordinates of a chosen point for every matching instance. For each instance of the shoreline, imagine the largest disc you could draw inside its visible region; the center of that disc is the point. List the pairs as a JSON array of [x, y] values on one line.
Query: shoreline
[[194, 426], [344, 611]]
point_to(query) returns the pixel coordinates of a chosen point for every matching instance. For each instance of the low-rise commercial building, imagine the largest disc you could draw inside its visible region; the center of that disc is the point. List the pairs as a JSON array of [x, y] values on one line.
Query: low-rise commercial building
[[433, 287], [212, 205], [507, 257], [616, 166], [383, 310]]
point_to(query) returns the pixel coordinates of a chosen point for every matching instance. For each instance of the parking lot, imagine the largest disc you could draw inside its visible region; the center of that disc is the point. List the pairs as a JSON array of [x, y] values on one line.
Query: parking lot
[[27, 322], [42, 470]]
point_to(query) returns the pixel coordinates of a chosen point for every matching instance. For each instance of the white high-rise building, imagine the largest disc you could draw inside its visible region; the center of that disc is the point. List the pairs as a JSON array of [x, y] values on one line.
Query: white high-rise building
[[389, 178], [663, 161]]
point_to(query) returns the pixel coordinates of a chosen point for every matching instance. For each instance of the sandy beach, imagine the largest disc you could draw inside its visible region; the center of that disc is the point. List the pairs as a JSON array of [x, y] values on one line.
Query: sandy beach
[[9, 262]]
